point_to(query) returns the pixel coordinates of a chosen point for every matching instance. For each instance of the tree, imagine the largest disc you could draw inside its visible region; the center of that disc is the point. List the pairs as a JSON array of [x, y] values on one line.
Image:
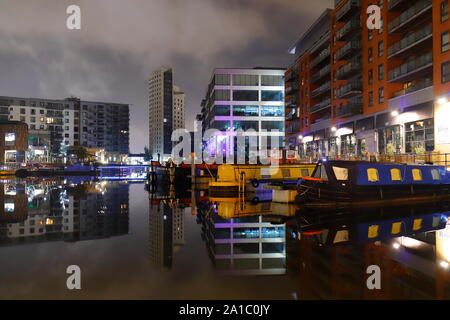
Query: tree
[[79, 152], [147, 155]]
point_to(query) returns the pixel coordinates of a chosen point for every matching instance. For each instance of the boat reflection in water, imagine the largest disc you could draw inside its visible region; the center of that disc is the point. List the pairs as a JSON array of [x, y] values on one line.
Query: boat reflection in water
[[245, 238], [411, 245], [49, 210]]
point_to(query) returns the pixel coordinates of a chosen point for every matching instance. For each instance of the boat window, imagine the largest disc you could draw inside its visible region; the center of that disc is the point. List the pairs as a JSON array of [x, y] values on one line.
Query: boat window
[[435, 174], [417, 174], [305, 173], [396, 175], [373, 231], [436, 221], [417, 224], [341, 236], [396, 228], [321, 173], [341, 173], [372, 175]]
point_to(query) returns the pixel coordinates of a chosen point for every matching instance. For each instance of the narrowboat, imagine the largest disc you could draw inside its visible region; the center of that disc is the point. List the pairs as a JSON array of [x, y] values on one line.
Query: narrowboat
[[358, 183]]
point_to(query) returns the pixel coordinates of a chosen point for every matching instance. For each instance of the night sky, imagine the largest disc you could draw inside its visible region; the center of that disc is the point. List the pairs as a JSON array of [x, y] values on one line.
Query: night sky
[[121, 42]]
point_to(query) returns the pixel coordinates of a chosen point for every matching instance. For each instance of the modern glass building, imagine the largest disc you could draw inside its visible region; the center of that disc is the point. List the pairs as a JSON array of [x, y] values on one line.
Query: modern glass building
[[245, 99]]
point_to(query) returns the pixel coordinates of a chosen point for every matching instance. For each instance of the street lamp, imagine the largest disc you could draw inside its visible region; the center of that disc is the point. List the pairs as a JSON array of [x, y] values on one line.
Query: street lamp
[[395, 113]]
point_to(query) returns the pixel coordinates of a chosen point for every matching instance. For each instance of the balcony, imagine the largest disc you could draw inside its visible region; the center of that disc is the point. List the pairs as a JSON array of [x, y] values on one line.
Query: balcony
[[292, 89], [293, 129], [349, 69], [321, 106], [417, 40], [321, 74], [414, 88], [325, 88], [344, 33], [291, 75], [291, 102], [320, 58], [407, 17], [349, 110], [351, 89], [418, 94], [407, 71], [396, 5], [347, 50], [292, 116], [347, 9]]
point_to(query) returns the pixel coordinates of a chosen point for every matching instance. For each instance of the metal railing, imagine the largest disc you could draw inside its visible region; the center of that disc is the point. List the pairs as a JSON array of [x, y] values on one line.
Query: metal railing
[[409, 14], [409, 40], [414, 88], [410, 66]]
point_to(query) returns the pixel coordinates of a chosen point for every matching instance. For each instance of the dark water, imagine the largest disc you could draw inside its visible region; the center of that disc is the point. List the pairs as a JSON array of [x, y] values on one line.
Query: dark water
[[130, 244]]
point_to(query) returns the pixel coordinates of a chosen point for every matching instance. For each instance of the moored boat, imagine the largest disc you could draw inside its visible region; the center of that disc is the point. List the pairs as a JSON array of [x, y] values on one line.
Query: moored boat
[[358, 183]]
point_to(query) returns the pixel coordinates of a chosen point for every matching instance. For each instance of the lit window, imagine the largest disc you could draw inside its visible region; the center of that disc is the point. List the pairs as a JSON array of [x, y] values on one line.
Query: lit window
[[341, 173], [10, 139], [396, 175], [417, 224], [372, 175], [417, 174], [435, 174], [373, 231], [396, 228]]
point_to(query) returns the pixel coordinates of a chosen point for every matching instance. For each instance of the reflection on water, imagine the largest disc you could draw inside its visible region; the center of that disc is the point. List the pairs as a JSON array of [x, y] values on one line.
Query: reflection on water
[[133, 244]]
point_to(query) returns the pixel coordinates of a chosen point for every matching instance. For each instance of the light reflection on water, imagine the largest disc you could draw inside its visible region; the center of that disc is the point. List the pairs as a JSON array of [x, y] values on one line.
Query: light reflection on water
[[134, 245]]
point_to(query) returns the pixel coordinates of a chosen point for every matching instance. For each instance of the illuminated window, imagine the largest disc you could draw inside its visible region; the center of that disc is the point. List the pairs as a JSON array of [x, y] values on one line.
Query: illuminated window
[[341, 173], [417, 224], [396, 175], [10, 139], [373, 231], [396, 228], [417, 174], [435, 174], [372, 175]]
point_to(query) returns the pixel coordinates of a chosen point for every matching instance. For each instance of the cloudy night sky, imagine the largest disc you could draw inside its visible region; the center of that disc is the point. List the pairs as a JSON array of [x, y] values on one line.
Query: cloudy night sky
[[121, 42]]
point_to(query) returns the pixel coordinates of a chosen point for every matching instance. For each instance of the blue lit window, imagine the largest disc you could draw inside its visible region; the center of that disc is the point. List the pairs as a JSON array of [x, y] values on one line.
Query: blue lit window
[[272, 95], [272, 111], [250, 111]]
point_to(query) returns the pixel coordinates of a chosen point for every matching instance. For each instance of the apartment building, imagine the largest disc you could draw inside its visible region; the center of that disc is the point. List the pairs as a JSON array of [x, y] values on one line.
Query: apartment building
[[166, 112], [353, 91], [244, 99], [55, 125]]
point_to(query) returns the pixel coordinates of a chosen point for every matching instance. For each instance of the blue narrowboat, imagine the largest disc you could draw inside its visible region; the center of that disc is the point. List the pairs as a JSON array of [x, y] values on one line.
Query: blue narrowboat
[[365, 183]]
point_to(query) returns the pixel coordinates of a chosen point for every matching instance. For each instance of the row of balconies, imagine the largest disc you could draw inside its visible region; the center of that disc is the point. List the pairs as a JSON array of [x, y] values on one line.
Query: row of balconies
[[321, 73], [320, 58], [343, 33], [351, 88], [321, 105], [347, 9], [351, 109], [344, 52], [292, 88], [404, 71], [409, 15], [325, 88], [351, 68], [411, 40]]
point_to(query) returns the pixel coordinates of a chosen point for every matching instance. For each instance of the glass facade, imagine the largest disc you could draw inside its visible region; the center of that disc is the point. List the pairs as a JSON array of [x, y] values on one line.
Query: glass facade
[[419, 136]]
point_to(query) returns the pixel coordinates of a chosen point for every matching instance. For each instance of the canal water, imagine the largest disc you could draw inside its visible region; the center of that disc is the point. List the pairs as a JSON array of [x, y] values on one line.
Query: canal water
[[131, 244]]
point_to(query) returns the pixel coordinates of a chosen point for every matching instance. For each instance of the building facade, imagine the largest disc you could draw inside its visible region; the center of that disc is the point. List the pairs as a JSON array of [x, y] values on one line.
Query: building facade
[[55, 125], [13, 142], [354, 91], [244, 99], [166, 112]]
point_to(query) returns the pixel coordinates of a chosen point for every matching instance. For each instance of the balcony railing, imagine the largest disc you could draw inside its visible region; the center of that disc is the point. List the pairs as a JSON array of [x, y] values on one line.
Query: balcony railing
[[410, 40], [349, 69], [291, 89], [322, 89], [347, 49], [320, 106], [410, 66], [347, 9], [393, 3], [291, 102], [345, 30], [349, 110], [319, 75], [410, 14], [352, 88], [321, 57], [414, 88]]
